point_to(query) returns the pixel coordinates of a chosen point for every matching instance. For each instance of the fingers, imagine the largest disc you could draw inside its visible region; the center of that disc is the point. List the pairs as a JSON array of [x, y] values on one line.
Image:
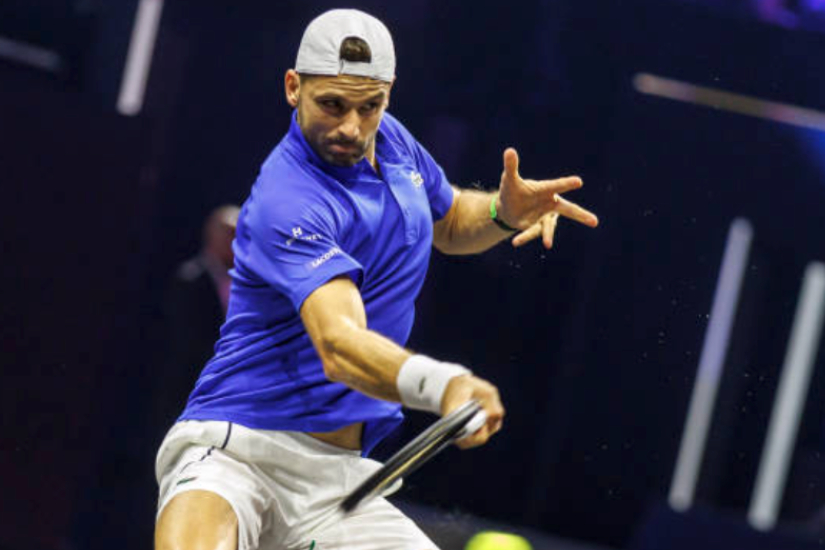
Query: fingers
[[527, 235], [475, 440], [481, 436], [551, 190], [560, 185], [549, 229], [510, 163], [575, 212], [487, 395], [544, 228], [466, 387]]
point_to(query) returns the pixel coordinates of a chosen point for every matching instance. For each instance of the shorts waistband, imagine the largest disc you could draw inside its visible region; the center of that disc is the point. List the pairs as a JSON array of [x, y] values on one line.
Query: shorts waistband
[[310, 442]]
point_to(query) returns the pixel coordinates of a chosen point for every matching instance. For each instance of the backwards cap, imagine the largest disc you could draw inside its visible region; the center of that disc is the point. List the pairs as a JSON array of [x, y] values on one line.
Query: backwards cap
[[320, 50]]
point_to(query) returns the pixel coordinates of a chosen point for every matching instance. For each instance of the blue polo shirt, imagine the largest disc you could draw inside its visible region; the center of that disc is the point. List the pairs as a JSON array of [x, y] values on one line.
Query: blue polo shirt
[[304, 223]]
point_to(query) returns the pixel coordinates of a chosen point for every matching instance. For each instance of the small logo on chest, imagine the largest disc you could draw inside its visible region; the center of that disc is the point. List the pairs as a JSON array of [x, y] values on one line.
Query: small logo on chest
[[416, 179]]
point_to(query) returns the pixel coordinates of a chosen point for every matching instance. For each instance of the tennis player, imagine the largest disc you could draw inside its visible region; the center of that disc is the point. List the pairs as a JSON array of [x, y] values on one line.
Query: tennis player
[[310, 373]]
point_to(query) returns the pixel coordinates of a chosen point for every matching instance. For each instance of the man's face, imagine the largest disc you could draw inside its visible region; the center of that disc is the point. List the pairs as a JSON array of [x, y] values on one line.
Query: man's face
[[339, 115]]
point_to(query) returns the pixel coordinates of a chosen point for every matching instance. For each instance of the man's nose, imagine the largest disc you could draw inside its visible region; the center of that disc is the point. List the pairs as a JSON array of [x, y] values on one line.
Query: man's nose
[[350, 127]]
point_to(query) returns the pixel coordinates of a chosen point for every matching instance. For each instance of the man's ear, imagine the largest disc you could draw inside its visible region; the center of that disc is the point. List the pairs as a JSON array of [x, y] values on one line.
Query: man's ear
[[292, 87]]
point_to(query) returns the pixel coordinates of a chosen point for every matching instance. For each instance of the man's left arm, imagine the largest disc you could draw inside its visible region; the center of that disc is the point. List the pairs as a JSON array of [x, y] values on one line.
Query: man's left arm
[[530, 207]]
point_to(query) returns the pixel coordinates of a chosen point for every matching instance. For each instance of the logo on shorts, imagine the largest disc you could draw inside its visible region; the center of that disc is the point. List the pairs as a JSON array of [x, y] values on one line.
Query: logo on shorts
[[186, 480], [416, 179]]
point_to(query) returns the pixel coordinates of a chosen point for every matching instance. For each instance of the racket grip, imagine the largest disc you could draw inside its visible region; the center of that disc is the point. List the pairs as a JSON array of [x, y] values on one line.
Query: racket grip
[[476, 423]]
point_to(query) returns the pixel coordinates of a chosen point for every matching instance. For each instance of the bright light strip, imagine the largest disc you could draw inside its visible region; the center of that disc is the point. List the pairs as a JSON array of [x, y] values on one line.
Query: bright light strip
[[727, 101], [790, 400], [139, 58], [31, 55], [711, 365]]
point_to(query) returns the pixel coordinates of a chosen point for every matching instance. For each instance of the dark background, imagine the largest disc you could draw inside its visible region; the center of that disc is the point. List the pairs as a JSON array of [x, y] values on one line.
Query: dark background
[[594, 345]]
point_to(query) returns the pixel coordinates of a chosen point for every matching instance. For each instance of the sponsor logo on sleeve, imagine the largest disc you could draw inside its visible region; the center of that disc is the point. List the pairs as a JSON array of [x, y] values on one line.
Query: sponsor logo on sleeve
[[319, 261], [298, 234]]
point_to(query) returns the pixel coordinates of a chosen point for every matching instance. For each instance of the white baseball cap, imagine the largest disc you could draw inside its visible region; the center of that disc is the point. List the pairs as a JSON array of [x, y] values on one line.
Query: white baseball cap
[[320, 50]]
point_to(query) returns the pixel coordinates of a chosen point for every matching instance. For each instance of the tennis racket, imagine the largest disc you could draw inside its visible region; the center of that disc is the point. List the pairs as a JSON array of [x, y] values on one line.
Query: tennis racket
[[463, 421]]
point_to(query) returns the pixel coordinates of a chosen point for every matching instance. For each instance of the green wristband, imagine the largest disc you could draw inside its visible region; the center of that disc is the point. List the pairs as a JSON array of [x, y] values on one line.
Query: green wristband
[[496, 219]]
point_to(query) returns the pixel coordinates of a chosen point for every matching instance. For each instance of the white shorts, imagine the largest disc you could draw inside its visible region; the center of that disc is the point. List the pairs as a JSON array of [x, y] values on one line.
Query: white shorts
[[285, 488]]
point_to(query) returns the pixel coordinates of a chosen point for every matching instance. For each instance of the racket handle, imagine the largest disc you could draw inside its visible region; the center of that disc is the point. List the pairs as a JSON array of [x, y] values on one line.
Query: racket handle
[[476, 423]]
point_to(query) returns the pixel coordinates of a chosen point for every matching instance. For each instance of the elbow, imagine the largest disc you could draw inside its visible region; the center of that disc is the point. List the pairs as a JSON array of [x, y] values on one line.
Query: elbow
[[444, 241], [331, 359], [332, 371], [451, 248], [442, 246]]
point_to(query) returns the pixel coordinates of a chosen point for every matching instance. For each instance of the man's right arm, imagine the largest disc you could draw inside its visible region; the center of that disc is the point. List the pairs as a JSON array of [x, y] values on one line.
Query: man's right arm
[[366, 361]]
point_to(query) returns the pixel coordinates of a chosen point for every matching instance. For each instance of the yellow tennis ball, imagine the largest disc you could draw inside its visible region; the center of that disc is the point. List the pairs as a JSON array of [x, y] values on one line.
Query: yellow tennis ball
[[492, 540]]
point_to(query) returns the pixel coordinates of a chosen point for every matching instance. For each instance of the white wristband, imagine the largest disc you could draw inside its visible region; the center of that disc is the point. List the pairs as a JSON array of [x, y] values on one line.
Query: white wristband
[[422, 381]]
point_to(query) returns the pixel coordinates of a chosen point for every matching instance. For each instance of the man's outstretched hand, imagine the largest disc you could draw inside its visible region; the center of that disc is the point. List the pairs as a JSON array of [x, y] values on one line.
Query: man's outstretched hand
[[534, 206]]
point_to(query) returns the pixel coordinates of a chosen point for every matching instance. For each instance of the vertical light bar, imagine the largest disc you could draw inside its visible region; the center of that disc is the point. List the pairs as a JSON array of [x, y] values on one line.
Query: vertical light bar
[[139, 58], [711, 364], [790, 399]]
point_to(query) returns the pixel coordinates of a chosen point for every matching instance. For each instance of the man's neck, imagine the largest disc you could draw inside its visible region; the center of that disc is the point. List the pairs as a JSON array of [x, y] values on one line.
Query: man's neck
[[375, 165], [370, 156]]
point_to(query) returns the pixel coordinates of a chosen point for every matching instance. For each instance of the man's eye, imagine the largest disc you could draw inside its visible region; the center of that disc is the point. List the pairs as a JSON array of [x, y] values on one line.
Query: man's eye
[[370, 107], [330, 104]]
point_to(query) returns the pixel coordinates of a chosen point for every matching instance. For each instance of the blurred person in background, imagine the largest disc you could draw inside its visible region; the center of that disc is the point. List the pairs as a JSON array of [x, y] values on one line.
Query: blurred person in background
[[310, 372], [194, 309]]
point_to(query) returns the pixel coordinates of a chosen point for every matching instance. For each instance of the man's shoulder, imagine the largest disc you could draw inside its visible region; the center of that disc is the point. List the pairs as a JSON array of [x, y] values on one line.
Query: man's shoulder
[[283, 166], [284, 179], [402, 139], [394, 129], [283, 195]]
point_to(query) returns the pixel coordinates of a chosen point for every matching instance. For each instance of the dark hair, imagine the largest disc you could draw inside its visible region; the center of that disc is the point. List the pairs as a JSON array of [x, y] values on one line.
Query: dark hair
[[354, 49]]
